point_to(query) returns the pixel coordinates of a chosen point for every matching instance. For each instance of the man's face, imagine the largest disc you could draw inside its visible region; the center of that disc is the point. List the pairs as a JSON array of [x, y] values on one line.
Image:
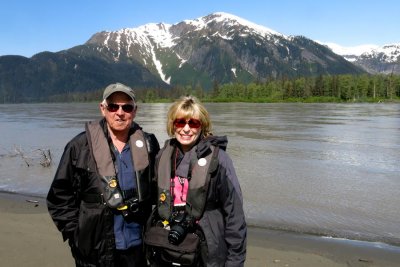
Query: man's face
[[118, 119]]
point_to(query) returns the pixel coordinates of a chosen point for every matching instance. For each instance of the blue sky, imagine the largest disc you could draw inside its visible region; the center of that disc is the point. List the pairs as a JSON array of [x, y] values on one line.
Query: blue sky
[[31, 26]]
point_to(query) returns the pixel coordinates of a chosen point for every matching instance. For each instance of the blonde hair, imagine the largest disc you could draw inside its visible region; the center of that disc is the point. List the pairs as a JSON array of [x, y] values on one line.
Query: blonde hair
[[188, 107]]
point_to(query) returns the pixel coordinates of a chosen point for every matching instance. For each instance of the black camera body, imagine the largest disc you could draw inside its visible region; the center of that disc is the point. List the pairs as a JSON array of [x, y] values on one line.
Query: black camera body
[[180, 223], [132, 209]]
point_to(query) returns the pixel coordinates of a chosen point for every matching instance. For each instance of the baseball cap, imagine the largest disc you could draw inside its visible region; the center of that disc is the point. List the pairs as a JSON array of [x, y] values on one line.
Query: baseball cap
[[118, 87]]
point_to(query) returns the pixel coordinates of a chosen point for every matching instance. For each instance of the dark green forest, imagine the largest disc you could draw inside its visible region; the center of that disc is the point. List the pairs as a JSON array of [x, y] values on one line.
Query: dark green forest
[[324, 88]]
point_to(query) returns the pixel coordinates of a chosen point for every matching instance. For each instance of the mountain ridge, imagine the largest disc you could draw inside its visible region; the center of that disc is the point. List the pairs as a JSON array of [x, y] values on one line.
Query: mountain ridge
[[215, 49], [173, 41], [372, 58]]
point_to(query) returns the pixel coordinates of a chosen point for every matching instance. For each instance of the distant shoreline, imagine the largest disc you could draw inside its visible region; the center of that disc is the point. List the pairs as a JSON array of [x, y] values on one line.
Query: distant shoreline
[[311, 100]]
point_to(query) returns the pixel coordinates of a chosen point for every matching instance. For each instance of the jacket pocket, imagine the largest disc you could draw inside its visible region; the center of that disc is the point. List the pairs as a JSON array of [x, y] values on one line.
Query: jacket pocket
[[212, 225], [91, 230]]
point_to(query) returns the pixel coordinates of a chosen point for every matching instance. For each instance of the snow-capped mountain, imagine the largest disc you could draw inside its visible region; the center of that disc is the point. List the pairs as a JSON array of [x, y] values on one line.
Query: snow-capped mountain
[[215, 49], [372, 58], [218, 47]]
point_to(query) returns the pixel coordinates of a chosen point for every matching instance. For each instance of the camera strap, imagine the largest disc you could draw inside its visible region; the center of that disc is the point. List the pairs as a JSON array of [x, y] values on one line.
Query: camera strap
[[181, 178]]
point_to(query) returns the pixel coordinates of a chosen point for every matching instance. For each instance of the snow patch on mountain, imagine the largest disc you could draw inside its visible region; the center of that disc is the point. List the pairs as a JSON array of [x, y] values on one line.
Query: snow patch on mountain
[[349, 50], [160, 33], [388, 53], [232, 20]]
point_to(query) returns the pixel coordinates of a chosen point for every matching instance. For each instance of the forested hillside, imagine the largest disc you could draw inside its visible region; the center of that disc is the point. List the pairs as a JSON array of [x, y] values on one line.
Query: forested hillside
[[339, 88]]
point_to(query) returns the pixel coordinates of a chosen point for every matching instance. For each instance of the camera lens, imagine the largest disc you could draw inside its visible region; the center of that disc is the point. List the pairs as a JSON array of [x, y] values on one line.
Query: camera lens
[[134, 207], [176, 234]]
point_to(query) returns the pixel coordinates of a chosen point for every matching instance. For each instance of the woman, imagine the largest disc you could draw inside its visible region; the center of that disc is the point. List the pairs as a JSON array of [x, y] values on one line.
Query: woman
[[198, 191]]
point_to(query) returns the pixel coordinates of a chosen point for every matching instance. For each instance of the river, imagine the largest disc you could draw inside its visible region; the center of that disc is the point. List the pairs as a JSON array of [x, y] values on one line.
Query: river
[[325, 169]]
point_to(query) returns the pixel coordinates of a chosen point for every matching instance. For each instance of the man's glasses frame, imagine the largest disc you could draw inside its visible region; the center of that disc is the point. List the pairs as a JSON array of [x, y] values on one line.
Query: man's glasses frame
[[112, 107]]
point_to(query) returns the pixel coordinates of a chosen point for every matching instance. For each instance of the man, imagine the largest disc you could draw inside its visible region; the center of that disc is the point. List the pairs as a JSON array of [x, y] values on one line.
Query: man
[[100, 196]]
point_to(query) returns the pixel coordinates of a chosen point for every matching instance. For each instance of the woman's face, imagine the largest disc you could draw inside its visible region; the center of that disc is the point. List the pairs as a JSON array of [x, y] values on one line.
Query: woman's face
[[187, 131]]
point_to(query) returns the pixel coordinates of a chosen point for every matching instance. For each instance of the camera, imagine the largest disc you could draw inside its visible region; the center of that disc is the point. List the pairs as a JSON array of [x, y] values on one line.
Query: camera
[[180, 223], [133, 205], [130, 209]]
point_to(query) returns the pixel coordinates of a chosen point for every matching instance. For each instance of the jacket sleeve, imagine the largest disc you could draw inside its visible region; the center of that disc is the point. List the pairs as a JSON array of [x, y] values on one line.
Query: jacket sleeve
[[61, 199], [232, 206]]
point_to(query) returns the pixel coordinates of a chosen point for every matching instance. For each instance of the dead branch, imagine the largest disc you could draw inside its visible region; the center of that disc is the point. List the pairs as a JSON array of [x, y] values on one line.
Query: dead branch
[[41, 156], [46, 158], [19, 152]]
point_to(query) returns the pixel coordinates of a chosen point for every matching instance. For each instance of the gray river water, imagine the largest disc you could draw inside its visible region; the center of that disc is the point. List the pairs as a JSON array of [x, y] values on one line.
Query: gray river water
[[327, 169]]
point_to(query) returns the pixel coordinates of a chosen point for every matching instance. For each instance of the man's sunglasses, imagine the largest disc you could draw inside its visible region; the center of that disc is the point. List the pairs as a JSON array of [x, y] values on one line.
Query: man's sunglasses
[[193, 123], [115, 107]]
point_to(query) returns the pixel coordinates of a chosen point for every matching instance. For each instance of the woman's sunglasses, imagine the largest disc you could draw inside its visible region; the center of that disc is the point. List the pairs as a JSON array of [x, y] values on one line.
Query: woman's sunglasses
[[193, 123], [115, 107]]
